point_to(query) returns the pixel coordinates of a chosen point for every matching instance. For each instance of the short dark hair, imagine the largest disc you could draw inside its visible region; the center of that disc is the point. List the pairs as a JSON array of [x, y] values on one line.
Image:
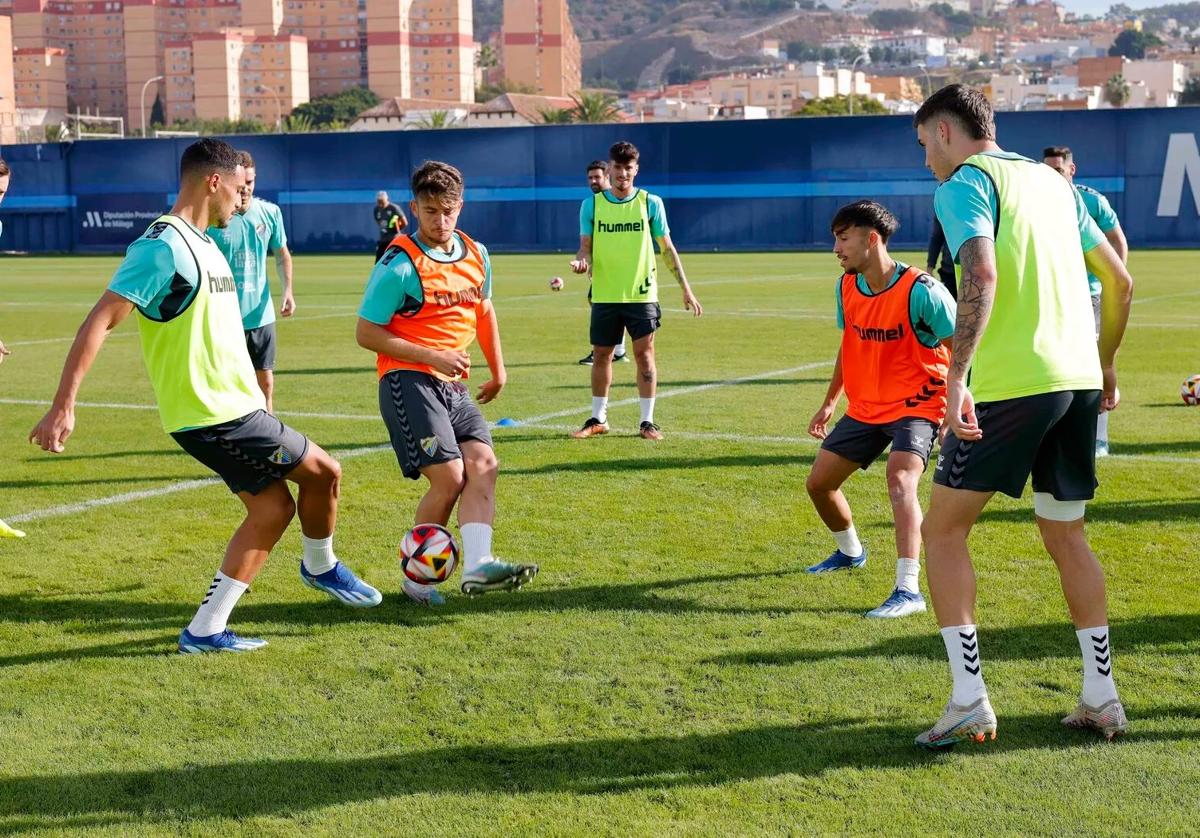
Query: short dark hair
[[436, 179], [869, 214], [207, 156], [623, 152], [4, 170], [966, 105], [1057, 151], [597, 164], [246, 161]]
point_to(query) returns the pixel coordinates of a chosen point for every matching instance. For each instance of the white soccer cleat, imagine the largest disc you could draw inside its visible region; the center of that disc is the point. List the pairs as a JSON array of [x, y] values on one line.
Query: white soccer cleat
[[1108, 719], [973, 723], [900, 603]]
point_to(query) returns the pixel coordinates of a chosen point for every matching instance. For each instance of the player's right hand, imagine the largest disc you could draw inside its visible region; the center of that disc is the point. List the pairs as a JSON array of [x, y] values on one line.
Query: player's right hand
[[451, 362], [1110, 396], [818, 428], [51, 433], [579, 266]]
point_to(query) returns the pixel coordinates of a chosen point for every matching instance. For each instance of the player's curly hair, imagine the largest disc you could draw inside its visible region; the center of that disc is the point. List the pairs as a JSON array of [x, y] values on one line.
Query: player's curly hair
[[206, 156], [870, 214], [4, 170], [1057, 151], [438, 180], [246, 161], [964, 104]]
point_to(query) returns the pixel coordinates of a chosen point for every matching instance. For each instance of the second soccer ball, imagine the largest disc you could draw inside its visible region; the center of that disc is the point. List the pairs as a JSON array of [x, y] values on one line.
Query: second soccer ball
[[556, 284]]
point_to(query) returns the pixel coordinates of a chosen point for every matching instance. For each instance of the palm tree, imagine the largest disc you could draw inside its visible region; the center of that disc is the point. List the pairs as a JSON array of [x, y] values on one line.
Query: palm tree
[[595, 107], [436, 120], [299, 123], [1116, 91], [557, 116]]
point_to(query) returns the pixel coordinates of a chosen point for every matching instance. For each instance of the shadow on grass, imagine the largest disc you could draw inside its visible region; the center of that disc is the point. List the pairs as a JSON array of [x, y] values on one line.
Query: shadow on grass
[[667, 464], [282, 788], [1123, 512], [666, 385], [1031, 642], [1167, 447]]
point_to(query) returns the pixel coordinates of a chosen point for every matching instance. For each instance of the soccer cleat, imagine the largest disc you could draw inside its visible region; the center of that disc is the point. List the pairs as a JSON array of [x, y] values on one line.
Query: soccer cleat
[[1102, 448], [592, 427], [648, 430], [838, 561], [1108, 719], [497, 576], [900, 604], [586, 361], [8, 532], [623, 358], [341, 584], [225, 641], [422, 594], [973, 723]]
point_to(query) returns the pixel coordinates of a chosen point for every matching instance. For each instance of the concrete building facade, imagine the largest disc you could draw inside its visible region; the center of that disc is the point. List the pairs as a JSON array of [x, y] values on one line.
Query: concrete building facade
[[540, 48]]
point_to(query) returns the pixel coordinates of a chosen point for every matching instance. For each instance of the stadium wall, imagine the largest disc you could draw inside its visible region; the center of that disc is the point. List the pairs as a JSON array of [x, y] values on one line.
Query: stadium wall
[[746, 185]]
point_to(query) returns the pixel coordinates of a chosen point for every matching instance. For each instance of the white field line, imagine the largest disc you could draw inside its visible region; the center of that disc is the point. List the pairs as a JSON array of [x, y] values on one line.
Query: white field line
[[1138, 300], [130, 497]]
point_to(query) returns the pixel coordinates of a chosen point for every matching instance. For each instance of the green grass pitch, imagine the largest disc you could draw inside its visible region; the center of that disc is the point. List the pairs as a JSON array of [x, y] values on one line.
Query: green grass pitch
[[670, 672]]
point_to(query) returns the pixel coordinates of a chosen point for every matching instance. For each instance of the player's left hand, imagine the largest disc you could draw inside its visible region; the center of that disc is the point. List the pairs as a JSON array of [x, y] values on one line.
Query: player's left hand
[[489, 390], [288, 307], [691, 303], [960, 413], [1110, 396]]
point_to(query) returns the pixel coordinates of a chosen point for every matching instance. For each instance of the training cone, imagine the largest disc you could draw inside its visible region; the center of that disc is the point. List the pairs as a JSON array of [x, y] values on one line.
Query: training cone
[[8, 532], [507, 423]]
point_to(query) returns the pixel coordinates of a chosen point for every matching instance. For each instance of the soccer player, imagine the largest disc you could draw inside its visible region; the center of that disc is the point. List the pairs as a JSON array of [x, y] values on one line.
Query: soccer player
[[255, 228], [428, 299], [617, 231], [1024, 244], [390, 220], [209, 402], [892, 364], [938, 259], [1062, 161], [5, 176], [597, 176]]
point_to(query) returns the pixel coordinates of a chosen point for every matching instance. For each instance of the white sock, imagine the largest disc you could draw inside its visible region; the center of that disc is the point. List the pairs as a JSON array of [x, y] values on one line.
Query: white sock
[[1098, 686], [619, 352], [1102, 427], [908, 575], [213, 614], [318, 554], [962, 648], [477, 545], [848, 543], [647, 409], [600, 408]]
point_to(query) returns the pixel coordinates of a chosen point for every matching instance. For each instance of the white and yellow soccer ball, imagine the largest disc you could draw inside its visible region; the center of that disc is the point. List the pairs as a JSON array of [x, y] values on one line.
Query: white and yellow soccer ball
[[428, 554], [1190, 390]]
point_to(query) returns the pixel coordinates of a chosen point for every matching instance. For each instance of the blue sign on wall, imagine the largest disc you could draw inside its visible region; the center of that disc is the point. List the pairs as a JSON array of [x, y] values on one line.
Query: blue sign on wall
[[752, 185]]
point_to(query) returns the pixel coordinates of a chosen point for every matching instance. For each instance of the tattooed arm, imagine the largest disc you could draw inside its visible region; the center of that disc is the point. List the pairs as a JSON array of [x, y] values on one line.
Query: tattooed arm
[[675, 266], [976, 292]]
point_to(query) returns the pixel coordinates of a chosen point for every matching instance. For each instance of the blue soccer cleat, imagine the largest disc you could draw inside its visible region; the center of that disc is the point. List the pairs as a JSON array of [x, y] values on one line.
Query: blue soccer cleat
[[342, 585], [901, 603], [225, 641], [422, 594], [497, 575], [838, 561]]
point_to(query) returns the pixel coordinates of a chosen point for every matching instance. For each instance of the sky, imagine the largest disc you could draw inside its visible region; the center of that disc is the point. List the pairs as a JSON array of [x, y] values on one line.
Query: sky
[[1098, 7]]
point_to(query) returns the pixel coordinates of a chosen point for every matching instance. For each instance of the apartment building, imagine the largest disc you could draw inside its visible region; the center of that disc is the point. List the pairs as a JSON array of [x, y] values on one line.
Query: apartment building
[[540, 48]]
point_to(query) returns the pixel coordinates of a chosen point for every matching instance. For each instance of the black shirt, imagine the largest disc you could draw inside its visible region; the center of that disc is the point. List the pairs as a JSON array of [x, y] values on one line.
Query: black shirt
[[390, 219]]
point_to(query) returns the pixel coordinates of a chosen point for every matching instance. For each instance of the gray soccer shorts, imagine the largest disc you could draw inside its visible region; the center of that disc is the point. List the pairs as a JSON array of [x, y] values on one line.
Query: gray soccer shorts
[[249, 453], [261, 344], [862, 443], [427, 418]]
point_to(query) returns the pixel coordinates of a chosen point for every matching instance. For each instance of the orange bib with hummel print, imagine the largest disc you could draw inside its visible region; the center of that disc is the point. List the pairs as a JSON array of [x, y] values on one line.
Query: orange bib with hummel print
[[447, 315], [888, 373]]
